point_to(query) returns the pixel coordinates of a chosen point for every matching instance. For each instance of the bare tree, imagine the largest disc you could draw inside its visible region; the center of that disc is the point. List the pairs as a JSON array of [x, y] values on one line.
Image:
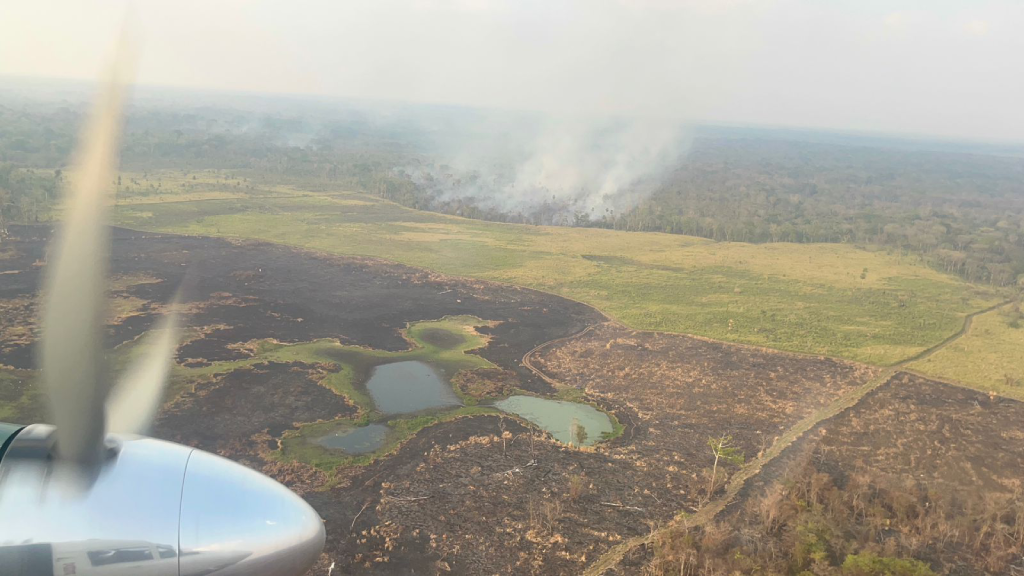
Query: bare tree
[[501, 427], [724, 452]]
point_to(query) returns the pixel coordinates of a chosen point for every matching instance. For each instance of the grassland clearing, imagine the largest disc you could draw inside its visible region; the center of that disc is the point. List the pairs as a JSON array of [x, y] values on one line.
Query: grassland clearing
[[799, 297], [190, 185], [989, 357]]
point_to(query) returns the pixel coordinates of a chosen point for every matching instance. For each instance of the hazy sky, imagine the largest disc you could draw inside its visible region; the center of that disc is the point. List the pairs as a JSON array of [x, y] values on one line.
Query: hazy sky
[[931, 67]]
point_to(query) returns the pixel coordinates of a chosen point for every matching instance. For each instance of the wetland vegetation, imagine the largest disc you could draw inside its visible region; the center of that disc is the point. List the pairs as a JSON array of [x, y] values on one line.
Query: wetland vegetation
[[396, 394]]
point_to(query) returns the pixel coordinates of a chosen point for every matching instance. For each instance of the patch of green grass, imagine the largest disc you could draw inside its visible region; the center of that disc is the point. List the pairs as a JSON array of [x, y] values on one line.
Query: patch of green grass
[[570, 394], [300, 445], [799, 297], [990, 357], [617, 428], [22, 400], [870, 564], [184, 185], [407, 427]]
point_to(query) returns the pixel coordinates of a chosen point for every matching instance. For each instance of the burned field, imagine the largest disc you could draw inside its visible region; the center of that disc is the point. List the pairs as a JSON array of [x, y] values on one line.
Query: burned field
[[223, 415], [237, 292], [675, 391], [486, 495], [920, 477], [948, 437]]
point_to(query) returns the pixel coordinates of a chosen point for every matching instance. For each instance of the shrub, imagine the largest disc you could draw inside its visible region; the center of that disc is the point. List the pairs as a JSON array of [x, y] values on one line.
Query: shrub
[[868, 564], [577, 486], [810, 547]]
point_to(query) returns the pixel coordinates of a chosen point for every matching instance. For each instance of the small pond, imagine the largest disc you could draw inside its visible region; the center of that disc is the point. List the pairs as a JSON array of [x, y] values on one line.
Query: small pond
[[557, 417], [362, 440], [410, 386]]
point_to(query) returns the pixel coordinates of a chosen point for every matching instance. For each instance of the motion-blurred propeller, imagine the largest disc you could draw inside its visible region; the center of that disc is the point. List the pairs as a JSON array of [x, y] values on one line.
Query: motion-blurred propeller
[[73, 367], [135, 399], [74, 498], [75, 289]]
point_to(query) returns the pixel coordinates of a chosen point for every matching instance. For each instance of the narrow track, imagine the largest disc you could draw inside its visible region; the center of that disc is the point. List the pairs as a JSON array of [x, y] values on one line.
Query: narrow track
[[527, 362], [968, 321]]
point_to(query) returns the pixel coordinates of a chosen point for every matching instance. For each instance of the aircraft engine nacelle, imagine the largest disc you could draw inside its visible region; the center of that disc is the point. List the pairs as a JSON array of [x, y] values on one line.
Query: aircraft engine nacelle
[[153, 508]]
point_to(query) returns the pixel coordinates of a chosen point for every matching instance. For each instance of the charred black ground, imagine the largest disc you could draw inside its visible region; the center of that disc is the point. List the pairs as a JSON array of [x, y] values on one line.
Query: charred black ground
[[222, 415], [252, 290]]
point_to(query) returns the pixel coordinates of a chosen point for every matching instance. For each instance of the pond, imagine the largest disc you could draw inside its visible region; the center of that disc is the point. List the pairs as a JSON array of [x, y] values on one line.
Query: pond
[[362, 440], [410, 386], [557, 417]]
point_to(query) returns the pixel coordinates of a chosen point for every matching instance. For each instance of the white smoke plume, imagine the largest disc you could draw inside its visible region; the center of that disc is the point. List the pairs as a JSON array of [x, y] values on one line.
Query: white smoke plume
[[561, 167]]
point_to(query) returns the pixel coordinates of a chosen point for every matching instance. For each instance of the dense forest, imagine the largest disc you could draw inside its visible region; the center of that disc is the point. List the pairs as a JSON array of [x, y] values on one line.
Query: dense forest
[[347, 149], [964, 211]]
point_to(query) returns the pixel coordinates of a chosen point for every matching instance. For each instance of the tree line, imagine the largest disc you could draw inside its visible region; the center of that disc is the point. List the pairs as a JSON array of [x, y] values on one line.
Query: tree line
[[963, 212]]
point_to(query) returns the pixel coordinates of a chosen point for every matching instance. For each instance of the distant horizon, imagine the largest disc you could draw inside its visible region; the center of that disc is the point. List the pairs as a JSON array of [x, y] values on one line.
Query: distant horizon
[[85, 85]]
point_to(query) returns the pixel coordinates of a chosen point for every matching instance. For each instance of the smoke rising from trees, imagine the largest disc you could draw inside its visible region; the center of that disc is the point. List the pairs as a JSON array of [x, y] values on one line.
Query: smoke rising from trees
[[561, 170]]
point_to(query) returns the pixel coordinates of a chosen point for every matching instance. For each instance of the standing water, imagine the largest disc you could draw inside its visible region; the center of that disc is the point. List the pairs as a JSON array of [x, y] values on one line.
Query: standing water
[[411, 386], [559, 417]]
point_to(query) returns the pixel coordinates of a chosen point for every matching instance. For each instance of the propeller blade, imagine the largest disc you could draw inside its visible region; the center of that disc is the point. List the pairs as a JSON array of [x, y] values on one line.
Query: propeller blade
[[71, 351], [135, 399]]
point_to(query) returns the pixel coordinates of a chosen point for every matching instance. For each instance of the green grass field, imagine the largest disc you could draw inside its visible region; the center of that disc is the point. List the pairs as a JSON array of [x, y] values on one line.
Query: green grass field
[[831, 299], [990, 357]]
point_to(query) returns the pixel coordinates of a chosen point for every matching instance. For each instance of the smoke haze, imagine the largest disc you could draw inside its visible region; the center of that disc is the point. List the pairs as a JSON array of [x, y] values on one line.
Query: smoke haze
[[913, 67], [633, 68], [571, 165]]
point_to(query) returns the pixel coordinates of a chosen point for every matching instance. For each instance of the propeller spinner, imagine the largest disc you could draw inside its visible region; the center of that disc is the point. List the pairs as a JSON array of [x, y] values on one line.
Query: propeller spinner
[[89, 495]]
